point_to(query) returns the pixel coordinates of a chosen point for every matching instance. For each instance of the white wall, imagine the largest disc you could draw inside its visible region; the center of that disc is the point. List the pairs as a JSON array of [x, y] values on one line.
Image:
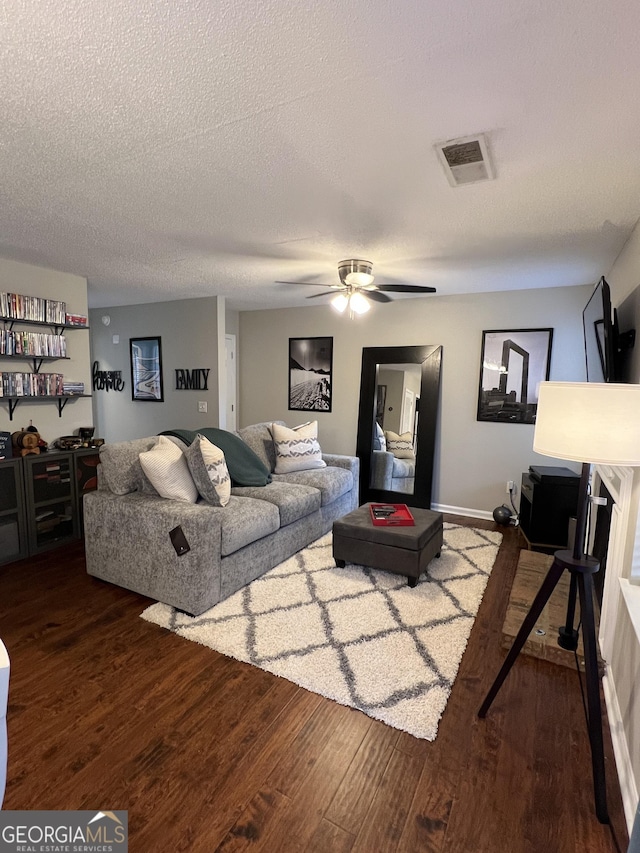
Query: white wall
[[622, 682], [49, 284], [474, 459], [188, 332]]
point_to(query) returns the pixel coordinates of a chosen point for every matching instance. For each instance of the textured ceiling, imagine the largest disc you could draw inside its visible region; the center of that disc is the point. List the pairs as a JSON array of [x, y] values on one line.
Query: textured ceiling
[[167, 150]]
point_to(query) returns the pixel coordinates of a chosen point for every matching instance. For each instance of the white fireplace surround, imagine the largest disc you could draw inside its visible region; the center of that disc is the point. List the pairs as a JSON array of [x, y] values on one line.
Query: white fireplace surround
[[621, 603]]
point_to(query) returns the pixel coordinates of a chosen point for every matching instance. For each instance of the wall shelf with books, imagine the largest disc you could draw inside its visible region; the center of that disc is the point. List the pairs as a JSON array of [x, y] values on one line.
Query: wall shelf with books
[[35, 360], [61, 400], [20, 344]]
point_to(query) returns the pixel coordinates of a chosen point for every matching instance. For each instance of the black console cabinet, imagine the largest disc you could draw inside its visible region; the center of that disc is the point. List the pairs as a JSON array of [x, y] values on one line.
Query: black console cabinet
[[548, 499]]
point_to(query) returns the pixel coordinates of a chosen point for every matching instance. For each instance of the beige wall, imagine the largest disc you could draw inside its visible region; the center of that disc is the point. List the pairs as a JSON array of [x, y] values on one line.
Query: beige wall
[[474, 460], [49, 284]]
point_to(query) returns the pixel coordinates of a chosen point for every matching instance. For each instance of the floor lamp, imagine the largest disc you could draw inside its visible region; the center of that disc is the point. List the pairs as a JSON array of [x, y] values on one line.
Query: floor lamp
[[588, 423]]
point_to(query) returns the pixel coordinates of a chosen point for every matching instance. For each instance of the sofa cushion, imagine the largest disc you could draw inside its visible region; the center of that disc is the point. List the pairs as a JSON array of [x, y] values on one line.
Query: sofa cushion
[[400, 445], [166, 468], [294, 501], [297, 449], [244, 521], [120, 463], [404, 468], [258, 437], [209, 471], [331, 482]]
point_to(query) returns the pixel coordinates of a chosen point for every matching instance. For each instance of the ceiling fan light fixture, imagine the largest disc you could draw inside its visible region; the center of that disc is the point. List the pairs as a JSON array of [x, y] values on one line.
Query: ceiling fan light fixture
[[339, 303], [359, 303], [359, 279]]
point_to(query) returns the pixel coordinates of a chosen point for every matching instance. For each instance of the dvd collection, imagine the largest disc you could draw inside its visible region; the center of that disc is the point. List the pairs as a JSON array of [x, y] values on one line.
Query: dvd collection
[[31, 384], [15, 306], [32, 344]]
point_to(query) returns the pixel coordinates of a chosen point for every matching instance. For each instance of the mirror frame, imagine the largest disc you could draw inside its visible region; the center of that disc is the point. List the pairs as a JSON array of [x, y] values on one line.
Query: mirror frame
[[430, 357]]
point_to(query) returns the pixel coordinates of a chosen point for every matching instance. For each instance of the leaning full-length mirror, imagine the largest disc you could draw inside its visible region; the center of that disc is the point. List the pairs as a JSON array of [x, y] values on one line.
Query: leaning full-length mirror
[[399, 397]]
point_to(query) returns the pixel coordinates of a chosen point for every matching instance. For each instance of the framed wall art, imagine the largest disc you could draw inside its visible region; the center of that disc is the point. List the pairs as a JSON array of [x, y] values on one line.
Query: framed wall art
[[310, 374], [146, 369], [512, 365]]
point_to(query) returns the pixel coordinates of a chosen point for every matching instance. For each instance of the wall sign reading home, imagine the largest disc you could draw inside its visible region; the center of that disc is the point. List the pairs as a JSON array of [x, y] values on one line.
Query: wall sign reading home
[[310, 366], [146, 369], [513, 364], [106, 380], [192, 380]]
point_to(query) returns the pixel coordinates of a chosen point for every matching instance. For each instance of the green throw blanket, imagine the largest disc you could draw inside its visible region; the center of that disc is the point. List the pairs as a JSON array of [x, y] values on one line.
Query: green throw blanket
[[245, 468]]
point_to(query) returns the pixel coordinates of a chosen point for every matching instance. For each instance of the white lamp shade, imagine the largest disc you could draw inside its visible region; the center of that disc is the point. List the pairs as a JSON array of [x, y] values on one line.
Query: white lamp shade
[[340, 302], [589, 422], [359, 303]]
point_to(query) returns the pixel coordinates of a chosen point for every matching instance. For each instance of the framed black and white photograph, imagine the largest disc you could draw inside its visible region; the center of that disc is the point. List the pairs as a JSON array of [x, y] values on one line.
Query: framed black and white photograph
[[146, 369], [513, 363], [310, 371]]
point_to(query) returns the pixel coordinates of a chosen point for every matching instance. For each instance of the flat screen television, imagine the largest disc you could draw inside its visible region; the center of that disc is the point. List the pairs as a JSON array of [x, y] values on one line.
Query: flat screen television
[[600, 336]]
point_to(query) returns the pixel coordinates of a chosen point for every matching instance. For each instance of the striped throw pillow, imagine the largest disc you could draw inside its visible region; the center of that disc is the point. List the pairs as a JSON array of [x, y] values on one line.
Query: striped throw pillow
[[297, 449], [400, 445]]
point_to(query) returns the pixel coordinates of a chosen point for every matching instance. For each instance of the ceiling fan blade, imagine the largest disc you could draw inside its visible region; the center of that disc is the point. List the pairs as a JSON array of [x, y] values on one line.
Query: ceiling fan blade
[[405, 288], [309, 283], [375, 295], [315, 295]]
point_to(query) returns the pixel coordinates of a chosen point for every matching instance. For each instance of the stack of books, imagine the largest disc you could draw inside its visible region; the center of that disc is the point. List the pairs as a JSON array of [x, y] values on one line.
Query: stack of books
[[72, 389], [76, 320]]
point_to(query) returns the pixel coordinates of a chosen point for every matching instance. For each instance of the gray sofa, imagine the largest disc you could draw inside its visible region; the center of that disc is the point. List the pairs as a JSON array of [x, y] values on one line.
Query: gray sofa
[[127, 525], [392, 474]]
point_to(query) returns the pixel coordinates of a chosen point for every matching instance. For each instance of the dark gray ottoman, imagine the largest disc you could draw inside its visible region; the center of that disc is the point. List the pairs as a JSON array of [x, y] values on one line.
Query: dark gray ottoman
[[402, 550]]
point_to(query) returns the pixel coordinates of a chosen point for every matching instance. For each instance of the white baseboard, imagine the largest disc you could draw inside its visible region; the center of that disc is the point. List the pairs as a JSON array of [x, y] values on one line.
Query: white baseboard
[[462, 510], [624, 767]]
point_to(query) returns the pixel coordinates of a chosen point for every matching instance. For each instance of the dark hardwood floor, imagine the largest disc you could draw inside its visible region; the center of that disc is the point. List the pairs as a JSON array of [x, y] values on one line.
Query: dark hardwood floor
[[107, 711]]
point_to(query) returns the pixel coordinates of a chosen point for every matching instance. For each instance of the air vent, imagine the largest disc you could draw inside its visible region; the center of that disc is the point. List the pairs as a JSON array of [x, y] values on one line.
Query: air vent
[[466, 160]]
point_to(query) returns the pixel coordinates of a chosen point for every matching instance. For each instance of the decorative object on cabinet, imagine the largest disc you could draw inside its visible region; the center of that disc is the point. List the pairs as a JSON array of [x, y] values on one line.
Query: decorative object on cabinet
[[146, 369], [310, 374], [25, 442], [512, 365]]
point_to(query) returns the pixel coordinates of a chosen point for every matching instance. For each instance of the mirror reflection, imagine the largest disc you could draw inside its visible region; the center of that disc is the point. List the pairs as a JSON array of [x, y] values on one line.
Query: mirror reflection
[[396, 405]]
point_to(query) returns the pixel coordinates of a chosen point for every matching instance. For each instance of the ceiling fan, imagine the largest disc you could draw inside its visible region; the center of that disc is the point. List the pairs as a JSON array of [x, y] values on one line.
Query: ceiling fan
[[356, 287]]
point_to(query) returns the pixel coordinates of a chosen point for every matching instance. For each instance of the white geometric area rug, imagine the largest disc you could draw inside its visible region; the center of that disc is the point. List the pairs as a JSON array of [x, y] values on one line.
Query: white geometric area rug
[[357, 635]]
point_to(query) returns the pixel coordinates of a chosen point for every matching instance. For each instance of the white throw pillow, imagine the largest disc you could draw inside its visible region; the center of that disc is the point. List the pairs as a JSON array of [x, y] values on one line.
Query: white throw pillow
[[297, 449], [400, 445], [209, 471], [166, 469]]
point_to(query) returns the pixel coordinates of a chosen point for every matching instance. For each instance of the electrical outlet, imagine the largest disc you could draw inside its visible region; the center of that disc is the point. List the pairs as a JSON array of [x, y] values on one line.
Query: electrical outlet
[[202, 406], [510, 486]]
